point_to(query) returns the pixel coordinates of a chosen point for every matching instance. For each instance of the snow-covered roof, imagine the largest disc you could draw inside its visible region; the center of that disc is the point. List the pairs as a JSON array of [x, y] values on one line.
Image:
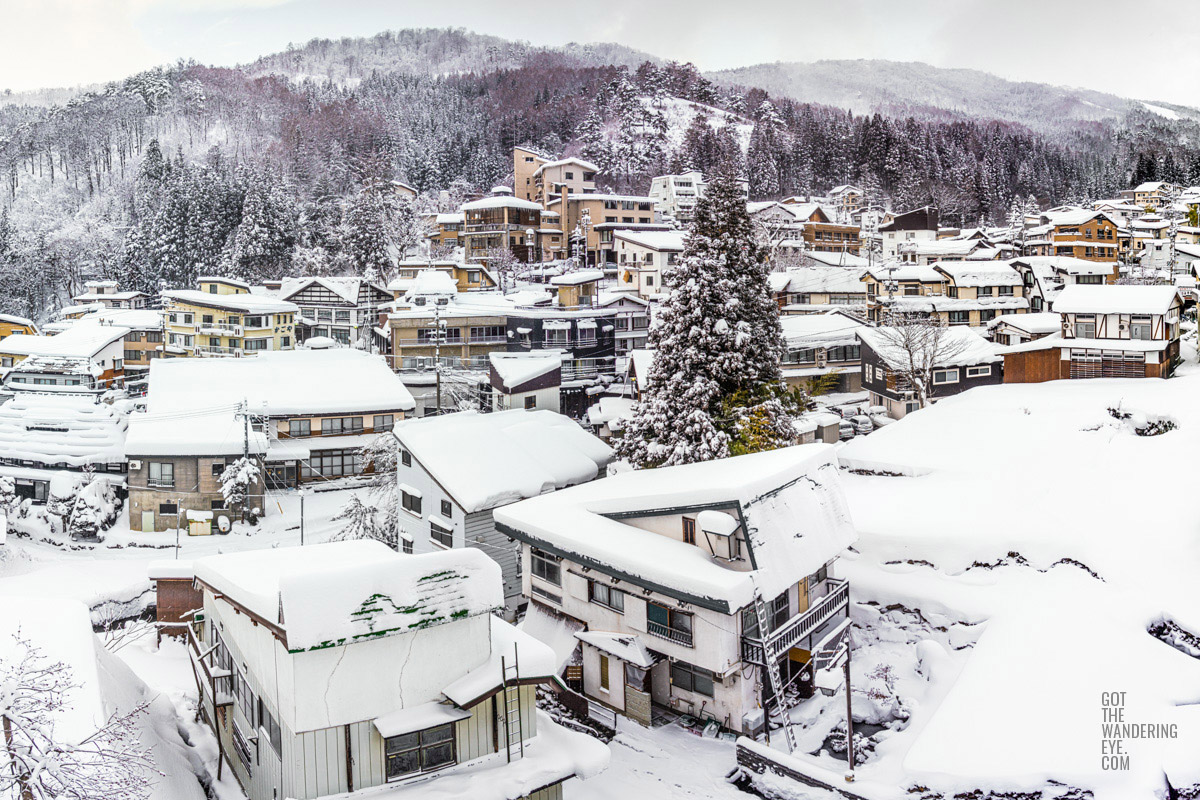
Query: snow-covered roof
[[979, 273], [819, 280], [58, 365], [200, 432], [626, 646], [564, 162], [1035, 323], [61, 429], [244, 302], [432, 282], [1103, 299], [790, 500], [327, 595], [1076, 216], [12, 319], [832, 329], [1067, 265], [280, 383], [501, 201], [1150, 186], [578, 277], [661, 241], [842, 259], [641, 360], [960, 347], [347, 288], [79, 341], [516, 369], [138, 319], [941, 302], [487, 460], [450, 219], [923, 273], [942, 247]]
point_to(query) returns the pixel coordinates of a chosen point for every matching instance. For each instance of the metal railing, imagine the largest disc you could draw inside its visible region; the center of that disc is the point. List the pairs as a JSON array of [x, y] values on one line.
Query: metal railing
[[798, 627], [217, 684], [670, 634]]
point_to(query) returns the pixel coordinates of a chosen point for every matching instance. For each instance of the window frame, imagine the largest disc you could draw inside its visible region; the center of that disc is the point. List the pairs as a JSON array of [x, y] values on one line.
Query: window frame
[[421, 746], [946, 371], [549, 563], [604, 594]]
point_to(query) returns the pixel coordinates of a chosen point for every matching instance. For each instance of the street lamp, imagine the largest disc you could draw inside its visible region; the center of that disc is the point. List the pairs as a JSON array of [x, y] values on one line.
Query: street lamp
[[530, 234]]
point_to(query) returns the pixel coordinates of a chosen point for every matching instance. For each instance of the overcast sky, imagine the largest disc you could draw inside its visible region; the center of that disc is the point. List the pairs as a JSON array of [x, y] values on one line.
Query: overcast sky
[[72, 42]]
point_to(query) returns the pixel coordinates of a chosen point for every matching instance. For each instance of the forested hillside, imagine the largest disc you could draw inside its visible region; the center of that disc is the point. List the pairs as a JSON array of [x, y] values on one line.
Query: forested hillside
[[283, 166]]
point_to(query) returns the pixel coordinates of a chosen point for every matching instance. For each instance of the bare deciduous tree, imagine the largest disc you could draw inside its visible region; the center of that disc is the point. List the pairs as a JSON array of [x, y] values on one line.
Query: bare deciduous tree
[[916, 345], [110, 763]]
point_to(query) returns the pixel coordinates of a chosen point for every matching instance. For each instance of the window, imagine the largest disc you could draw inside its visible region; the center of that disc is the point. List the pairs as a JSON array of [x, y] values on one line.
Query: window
[[241, 743], [1090, 279], [669, 623], [256, 344], [1140, 328], [421, 751], [447, 511], [545, 566], [649, 280], [270, 726], [217, 469], [333, 426], [983, 291], [531, 401], [383, 422], [979, 372], [410, 502], [605, 595], [443, 536], [487, 333], [244, 696], [691, 678], [332, 464], [342, 315], [779, 611], [1004, 291], [406, 458], [167, 509], [960, 317], [603, 672], [689, 530], [943, 376], [254, 322], [299, 427], [1085, 326], [407, 546], [161, 473]]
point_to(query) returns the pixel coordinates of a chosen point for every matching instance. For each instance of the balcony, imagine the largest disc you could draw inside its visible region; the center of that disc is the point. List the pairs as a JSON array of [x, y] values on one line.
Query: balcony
[[670, 634], [227, 352], [800, 626], [219, 329], [487, 340]]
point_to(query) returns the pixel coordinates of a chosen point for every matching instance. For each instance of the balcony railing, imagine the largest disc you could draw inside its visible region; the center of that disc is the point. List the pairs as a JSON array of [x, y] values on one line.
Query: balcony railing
[[670, 634], [228, 352], [219, 329], [800, 626]]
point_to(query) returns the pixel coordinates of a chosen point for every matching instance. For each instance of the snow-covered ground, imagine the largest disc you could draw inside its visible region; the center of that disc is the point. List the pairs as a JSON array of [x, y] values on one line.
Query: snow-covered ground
[[1020, 546]]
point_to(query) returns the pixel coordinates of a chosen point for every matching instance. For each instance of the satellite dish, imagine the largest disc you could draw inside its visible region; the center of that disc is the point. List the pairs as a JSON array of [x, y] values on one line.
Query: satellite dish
[[223, 524]]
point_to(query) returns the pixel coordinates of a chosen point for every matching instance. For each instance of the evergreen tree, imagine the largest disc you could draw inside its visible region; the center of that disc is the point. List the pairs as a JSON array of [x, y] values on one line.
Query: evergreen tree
[[715, 386]]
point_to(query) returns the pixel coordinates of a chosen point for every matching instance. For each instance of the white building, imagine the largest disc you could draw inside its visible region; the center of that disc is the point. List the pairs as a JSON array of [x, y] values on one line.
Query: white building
[[676, 195], [337, 668], [454, 470], [664, 568], [641, 257]]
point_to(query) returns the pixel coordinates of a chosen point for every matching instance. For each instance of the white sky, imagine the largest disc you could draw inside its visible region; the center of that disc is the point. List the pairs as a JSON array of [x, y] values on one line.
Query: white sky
[[47, 43]]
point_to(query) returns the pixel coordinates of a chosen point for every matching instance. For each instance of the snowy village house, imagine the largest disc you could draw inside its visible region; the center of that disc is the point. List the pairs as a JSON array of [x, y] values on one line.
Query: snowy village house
[[676, 195], [598, 217], [176, 462], [345, 310], [10, 324], [455, 470], [103, 345], [1045, 276], [821, 288], [983, 291], [142, 343], [820, 345], [52, 443], [1107, 332], [961, 360], [468, 277], [919, 225], [336, 668], [502, 223], [1082, 233], [223, 318], [641, 257], [665, 574], [317, 408], [108, 294], [525, 381]]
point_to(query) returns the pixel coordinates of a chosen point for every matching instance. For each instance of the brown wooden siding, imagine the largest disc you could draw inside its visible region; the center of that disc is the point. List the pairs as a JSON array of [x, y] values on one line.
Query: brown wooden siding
[[1035, 366]]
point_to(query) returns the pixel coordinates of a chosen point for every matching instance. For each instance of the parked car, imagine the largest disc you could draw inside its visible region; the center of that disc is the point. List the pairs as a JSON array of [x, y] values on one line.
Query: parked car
[[846, 430], [862, 424]]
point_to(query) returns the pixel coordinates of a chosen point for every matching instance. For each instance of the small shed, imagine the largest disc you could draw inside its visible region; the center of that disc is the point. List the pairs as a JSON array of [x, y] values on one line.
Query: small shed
[[176, 598]]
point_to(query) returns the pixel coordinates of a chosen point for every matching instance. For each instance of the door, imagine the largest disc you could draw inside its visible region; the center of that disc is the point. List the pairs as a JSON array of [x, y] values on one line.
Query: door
[[802, 596], [147, 520]]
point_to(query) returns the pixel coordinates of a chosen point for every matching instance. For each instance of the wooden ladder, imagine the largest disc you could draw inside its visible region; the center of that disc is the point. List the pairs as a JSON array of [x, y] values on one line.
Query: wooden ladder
[[514, 731], [774, 680]]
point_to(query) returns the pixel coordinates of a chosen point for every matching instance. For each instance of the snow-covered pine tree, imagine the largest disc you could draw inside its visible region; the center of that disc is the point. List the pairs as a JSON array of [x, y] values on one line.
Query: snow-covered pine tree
[[236, 482], [715, 386]]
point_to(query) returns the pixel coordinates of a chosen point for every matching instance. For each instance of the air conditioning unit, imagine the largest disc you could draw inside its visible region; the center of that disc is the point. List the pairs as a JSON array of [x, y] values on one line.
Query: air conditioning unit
[[134, 464]]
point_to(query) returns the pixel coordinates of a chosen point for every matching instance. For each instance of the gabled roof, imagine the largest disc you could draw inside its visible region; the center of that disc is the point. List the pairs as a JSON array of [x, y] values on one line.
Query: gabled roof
[[81, 341], [328, 595], [921, 219], [245, 303], [966, 348], [662, 241], [979, 273], [832, 329], [345, 288], [819, 280], [486, 460], [1034, 323], [787, 502], [1102, 299], [563, 162]]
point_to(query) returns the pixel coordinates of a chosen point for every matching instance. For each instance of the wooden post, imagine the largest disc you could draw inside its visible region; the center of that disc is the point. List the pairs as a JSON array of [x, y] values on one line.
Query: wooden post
[[349, 762]]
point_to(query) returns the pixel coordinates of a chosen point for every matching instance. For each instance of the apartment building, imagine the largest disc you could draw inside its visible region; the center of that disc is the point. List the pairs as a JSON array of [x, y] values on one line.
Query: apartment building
[[223, 318], [502, 223], [676, 195]]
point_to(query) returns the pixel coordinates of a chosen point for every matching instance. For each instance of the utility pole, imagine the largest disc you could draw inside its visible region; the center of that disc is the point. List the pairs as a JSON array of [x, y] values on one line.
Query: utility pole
[[437, 350], [849, 718], [301, 517]]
